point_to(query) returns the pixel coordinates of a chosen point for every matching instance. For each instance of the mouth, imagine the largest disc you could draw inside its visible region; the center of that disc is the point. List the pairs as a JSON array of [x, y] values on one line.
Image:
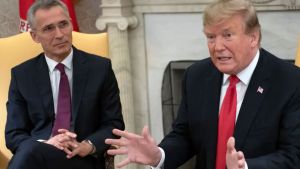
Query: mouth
[[223, 58], [60, 44]]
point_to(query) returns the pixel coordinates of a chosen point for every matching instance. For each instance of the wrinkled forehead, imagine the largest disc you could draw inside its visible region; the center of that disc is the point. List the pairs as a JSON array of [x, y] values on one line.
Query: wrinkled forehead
[[53, 15], [225, 24]]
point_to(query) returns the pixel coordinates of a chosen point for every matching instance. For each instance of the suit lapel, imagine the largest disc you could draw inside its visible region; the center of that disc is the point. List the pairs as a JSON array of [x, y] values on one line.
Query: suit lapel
[[212, 99], [255, 93], [79, 81], [43, 84]]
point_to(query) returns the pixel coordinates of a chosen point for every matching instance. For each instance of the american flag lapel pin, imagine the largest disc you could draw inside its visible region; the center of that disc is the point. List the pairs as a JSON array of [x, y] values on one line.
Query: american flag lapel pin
[[260, 90]]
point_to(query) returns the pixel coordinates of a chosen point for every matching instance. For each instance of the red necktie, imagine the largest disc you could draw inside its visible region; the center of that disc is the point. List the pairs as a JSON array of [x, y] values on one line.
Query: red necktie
[[226, 121], [63, 114]]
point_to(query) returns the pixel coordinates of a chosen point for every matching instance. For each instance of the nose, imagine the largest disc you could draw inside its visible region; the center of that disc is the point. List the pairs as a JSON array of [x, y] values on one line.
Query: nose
[[58, 32], [219, 44]]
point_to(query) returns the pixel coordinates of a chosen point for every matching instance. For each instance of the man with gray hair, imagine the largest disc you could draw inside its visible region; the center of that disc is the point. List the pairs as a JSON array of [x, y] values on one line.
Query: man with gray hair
[[240, 108], [63, 103]]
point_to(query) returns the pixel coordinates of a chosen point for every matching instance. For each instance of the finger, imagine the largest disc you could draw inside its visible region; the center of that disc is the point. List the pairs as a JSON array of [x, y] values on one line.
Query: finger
[[240, 155], [73, 144], [72, 135], [118, 142], [67, 151], [65, 138], [146, 133], [241, 159], [61, 131], [58, 145], [67, 132], [123, 163], [241, 164], [117, 151], [70, 145], [73, 153], [230, 145], [125, 134]]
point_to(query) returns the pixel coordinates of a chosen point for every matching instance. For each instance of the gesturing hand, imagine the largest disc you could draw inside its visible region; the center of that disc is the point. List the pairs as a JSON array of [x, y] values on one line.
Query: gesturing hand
[[234, 159], [140, 149]]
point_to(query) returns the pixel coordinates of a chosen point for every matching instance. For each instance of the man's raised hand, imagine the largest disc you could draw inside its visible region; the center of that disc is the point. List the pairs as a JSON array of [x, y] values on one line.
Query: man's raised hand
[[140, 149]]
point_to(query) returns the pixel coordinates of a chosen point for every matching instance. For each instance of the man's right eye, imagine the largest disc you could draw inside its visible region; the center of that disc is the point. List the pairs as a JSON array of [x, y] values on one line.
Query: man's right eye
[[210, 38], [48, 29]]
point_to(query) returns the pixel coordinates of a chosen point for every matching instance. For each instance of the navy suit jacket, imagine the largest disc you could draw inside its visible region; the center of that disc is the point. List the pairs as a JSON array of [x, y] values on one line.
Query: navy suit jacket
[[96, 107], [268, 126]]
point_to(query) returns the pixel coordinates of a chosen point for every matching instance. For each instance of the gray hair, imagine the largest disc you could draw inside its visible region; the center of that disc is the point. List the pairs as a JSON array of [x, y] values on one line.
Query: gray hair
[[43, 4]]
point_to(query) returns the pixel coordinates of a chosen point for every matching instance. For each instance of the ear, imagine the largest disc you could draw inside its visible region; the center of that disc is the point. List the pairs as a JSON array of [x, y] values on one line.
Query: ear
[[254, 38], [71, 23], [34, 36]]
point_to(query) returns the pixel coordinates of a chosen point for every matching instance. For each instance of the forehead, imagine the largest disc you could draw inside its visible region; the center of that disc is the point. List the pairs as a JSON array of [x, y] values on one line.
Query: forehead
[[233, 23], [50, 16]]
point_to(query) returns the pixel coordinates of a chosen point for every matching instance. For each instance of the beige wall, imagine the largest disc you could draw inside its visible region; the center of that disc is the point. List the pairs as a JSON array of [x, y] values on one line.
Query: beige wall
[[87, 12], [9, 15]]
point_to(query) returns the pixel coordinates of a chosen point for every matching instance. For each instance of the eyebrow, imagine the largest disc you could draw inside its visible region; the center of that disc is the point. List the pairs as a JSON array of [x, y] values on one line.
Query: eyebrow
[[65, 20]]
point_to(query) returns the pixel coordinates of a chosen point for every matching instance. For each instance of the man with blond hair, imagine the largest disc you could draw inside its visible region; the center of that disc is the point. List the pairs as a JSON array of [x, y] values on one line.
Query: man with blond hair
[[240, 108]]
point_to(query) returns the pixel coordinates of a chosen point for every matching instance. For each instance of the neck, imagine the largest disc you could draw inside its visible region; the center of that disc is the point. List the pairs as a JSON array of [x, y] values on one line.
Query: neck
[[58, 58]]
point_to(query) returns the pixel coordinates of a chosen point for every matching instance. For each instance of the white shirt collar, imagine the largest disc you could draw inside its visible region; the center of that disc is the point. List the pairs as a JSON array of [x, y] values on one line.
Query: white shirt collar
[[67, 62], [245, 75]]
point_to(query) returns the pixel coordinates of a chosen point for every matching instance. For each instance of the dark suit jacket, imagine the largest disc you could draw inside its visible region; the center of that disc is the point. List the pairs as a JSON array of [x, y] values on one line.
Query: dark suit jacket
[[268, 126], [96, 107]]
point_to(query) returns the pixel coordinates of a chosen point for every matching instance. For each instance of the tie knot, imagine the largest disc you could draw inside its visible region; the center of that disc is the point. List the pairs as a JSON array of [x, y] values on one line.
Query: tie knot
[[60, 67], [233, 80]]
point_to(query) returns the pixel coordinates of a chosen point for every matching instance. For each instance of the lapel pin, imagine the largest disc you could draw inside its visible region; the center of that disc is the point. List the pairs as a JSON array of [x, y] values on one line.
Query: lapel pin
[[260, 90]]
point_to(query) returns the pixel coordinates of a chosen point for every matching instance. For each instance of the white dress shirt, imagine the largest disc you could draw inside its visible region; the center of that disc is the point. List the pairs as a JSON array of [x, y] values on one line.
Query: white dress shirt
[[54, 75], [241, 88]]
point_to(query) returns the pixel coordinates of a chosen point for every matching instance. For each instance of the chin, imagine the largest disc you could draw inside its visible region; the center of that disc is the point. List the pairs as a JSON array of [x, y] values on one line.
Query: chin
[[65, 49], [226, 70]]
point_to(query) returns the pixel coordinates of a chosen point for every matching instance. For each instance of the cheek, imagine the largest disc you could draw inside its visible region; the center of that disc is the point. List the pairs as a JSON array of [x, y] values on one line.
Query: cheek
[[210, 48], [47, 43], [68, 33]]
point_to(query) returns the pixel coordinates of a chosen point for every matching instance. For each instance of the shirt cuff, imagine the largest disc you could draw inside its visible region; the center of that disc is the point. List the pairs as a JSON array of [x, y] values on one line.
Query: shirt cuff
[[162, 160], [246, 166], [41, 140]]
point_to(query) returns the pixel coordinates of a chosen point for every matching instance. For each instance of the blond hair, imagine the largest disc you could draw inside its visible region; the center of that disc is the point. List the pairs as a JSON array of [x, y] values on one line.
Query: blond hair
[[224, 9]]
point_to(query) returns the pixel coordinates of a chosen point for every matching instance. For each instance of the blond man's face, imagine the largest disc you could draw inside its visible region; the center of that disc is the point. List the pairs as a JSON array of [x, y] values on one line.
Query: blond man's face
[[231, 48]]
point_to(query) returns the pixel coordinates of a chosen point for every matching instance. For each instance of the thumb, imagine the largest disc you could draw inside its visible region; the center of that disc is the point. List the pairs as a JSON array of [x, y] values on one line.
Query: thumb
[[230, 145]]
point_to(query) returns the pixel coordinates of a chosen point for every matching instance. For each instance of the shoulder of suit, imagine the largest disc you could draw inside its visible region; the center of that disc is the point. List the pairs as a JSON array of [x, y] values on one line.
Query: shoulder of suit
[[89, 56], [30, 63], [280, 67], [204, 65]]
